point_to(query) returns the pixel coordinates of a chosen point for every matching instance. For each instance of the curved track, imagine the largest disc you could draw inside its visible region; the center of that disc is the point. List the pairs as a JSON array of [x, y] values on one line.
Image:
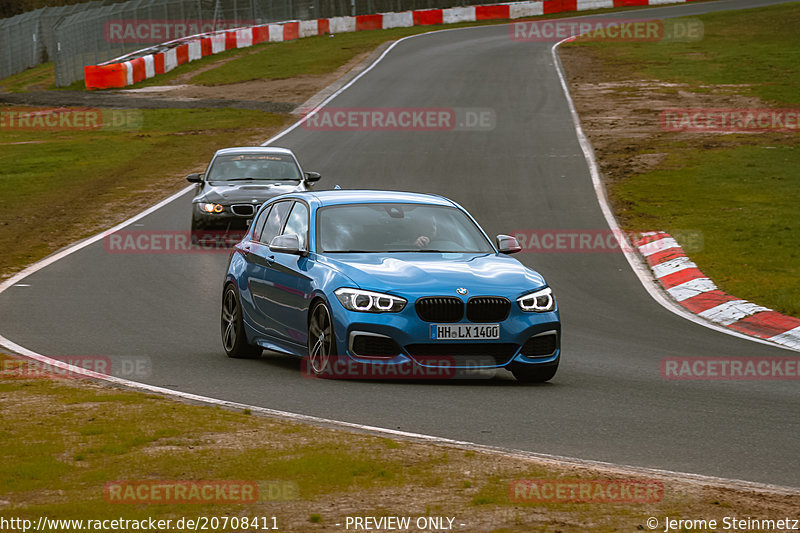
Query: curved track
[[608, 401]]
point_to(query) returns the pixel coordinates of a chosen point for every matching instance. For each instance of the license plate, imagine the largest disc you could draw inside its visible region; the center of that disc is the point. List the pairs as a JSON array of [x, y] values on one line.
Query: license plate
[[446, 332]]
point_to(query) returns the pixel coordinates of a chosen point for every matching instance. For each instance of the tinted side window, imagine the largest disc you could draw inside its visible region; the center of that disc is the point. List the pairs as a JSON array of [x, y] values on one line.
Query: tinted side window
[[258, 225], [274, 221], [297, 223]]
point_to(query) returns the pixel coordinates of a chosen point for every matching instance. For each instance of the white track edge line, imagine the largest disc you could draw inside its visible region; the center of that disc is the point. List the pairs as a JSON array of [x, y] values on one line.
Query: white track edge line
[[557, 460], [35, 267], [339, 91], [642, 272], [553, 459]]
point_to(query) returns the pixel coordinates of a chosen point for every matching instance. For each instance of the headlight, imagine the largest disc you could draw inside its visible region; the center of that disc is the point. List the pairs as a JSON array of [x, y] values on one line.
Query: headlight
[[211, 208], [539, 301], [369, 302]]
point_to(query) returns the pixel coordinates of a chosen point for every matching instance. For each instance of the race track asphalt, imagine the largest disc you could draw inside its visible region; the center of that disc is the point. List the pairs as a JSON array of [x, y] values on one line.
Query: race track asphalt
[[608, 401]]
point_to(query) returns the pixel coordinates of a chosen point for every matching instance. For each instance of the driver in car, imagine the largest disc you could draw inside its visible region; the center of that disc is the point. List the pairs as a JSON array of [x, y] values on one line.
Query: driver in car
[[427, 233]]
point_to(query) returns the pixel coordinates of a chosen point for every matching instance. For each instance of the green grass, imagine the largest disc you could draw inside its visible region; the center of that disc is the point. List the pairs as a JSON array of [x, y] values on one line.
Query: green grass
[[62, 180], [746, 203], [63, 441], [740, 192], [41, 76], [757, 47], [311, 55], [105, 439], [316, 55]]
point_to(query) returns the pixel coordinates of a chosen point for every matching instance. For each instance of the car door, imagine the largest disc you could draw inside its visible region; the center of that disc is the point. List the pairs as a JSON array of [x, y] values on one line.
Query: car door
[[292, 281], [259, 270]]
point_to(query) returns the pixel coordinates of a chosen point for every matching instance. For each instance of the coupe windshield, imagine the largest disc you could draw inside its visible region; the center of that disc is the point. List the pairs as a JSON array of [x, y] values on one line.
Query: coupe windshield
[[254, 167], [384, 227]]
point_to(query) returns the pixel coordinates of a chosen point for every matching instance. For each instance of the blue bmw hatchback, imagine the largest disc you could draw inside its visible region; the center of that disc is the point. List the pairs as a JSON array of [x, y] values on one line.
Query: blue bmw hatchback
[[389, 280]]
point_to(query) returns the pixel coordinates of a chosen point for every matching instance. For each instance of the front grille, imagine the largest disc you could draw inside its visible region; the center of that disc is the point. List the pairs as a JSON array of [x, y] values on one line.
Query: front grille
[[374, 346], [463, 354], [488, 309], [540, 345], [243, 210], [440, 309]]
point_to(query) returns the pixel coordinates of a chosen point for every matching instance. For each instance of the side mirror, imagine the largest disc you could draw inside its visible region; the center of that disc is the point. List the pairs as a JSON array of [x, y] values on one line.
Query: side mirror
[[313, 176], [195, 178], [508, 244], [287, 244]]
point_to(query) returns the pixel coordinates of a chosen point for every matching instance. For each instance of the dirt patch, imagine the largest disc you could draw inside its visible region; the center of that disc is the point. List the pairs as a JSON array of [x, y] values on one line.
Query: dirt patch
[[139, 100], [621, 117]]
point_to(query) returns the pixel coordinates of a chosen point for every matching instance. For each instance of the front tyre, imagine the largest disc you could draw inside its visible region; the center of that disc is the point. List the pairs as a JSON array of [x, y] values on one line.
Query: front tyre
[[534, 373], [234, 339], [321, 340]]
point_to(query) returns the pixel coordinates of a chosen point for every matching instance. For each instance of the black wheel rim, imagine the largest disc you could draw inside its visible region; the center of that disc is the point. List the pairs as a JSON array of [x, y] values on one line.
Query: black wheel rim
[[320, 337], [230, 320]]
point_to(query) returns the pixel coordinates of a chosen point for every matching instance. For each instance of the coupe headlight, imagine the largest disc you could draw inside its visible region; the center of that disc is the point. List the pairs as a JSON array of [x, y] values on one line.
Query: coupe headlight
[[211, 208], [540, 301], [369, 302]]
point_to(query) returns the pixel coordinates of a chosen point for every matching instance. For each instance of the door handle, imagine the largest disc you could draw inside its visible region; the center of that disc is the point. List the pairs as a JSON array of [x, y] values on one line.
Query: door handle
[[271, 259]]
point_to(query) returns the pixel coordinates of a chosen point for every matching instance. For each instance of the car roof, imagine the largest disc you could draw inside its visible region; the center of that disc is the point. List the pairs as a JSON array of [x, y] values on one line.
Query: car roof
[[363, 196], [253, 150]]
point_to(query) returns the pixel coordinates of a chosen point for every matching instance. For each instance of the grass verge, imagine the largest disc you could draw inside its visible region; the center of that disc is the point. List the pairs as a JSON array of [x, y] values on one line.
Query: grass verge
[[68, 443], [741, 191], [62, 185], [39, 78]]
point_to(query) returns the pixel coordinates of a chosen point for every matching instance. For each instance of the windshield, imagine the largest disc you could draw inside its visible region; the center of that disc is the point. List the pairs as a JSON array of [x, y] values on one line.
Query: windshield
[[398, 228], [254, 167]]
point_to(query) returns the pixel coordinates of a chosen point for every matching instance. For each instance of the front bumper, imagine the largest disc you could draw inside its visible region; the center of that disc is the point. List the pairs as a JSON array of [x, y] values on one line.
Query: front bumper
[[226, 220], [414, 346]]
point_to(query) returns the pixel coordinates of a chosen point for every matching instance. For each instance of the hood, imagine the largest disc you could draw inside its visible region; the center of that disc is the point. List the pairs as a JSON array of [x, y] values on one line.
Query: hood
[[420, 274], [246, 191]]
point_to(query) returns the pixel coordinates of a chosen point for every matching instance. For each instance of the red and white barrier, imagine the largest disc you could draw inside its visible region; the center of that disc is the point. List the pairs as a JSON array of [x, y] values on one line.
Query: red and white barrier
[[688, 286], [131, 69]]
